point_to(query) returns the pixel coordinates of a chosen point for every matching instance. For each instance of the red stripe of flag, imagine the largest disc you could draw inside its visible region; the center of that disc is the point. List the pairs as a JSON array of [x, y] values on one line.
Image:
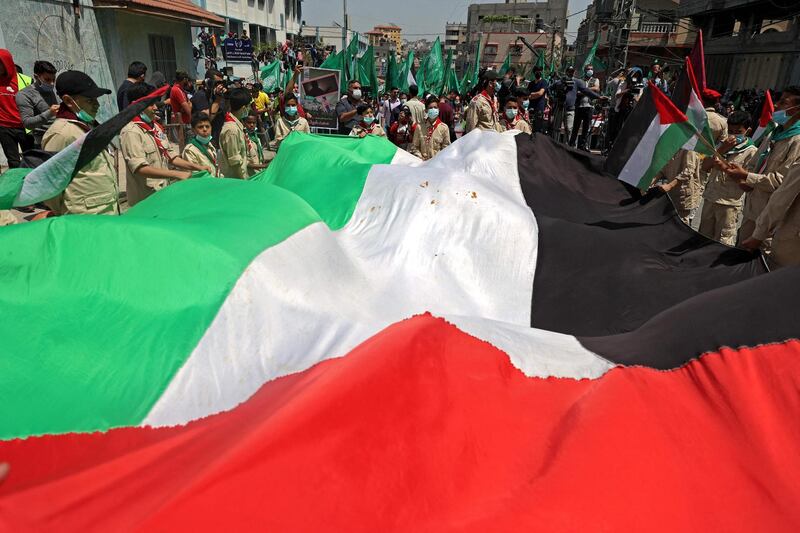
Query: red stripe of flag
[[668, 113], [766, 111], [698, 61]]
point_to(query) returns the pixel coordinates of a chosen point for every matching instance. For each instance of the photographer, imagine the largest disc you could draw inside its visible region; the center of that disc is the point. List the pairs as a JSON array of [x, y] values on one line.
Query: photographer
[[584, 111], [565, 93]]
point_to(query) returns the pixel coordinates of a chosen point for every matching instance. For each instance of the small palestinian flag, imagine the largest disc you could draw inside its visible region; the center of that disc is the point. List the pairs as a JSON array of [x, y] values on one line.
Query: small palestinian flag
[[498, 339], [25, 186], [765, 124], [669, 130], [687, 99]]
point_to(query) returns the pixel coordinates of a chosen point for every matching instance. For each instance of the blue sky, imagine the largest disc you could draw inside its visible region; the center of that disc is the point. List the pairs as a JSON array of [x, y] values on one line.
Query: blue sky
[[418, 18]]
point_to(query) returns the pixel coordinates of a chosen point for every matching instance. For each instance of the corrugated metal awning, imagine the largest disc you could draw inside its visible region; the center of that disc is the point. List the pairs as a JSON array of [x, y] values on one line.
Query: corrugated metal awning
[[171, 9]]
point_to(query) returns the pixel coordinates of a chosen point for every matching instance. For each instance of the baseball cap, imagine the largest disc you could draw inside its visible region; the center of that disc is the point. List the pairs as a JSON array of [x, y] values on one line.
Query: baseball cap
[[490, 75], [77, 83]]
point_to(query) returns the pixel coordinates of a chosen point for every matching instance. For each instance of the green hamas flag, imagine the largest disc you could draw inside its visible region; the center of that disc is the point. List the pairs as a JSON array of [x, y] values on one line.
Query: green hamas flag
[[404, 73], [506, 64], [421, 76], [433, 70], [351, 58], [590, 56], [540, 61], [450, 78], [391, 72], [271, 76], [476, 71], [366, 70]]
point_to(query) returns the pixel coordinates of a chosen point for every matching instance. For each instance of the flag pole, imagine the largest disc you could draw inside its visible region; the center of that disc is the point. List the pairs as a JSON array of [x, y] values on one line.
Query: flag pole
[[705, 141]]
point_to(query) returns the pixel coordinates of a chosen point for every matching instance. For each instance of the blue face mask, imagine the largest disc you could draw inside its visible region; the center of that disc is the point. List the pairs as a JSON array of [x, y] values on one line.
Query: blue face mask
[[85, 117], [511, 113], [433, 113], [526, 104], [142, 116], [369, 120], [203, 140], [497, 86], [291, 110], [740, 138], [780, 117]]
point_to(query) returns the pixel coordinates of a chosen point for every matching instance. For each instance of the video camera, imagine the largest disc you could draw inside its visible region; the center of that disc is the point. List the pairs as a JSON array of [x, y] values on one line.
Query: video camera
[[635, 80], [562, 87]]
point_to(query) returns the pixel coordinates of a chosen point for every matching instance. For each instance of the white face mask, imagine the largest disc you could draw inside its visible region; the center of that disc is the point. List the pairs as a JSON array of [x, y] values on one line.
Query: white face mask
[[357, 94]]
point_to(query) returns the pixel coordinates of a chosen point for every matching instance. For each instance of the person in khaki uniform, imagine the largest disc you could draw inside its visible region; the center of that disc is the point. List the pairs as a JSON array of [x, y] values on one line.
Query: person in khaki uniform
[[723, 198], [148, 154], [481, 113], [93, 190], [199, 149], [684, 176], [257, 158], [776, 154], [234, 145], [289, 121], [512, 119], [433, 135], [780, 220], [368, 124]]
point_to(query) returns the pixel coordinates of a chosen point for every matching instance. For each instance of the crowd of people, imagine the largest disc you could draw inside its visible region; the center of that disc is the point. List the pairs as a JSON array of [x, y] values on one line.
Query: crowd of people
[[230, 127]]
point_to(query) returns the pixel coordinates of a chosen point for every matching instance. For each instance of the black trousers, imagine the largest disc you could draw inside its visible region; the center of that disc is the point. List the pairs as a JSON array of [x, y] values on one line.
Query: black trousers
[[583, 120], [11, 139]]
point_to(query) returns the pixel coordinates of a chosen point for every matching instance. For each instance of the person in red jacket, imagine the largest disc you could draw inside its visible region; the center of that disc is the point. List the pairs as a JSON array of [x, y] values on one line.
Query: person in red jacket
[[12, 134]]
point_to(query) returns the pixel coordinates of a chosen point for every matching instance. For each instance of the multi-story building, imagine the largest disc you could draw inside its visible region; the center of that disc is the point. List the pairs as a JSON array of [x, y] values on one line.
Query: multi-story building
[[386, 32], [634, 33], [266, 21], [455, 38], [748, 43], [498, 27]]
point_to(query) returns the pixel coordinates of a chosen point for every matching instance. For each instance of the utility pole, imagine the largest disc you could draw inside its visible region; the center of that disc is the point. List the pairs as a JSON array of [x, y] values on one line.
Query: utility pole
[[344, 26]]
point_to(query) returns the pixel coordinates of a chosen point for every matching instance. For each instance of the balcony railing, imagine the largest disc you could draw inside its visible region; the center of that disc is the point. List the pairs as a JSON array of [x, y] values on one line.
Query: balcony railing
[[657, 27]]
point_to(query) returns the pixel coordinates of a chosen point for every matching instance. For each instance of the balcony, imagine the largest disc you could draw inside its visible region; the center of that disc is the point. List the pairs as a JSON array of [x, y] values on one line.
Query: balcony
[[657, 27]]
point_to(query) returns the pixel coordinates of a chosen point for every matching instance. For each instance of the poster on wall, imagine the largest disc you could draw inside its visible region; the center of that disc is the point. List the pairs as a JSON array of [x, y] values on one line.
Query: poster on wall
[[319, 91], [238, 50]]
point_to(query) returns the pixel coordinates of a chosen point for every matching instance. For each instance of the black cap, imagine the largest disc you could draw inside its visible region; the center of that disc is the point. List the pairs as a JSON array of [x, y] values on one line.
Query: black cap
[[77, 83], [490, 75]]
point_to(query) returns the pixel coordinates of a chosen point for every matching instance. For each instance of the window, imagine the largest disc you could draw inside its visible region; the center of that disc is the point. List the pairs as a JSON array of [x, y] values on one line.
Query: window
[[515, 50], [491, 49], [162, 55]]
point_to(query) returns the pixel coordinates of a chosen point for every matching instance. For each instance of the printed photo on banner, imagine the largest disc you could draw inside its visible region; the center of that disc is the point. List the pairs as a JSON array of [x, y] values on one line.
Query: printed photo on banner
[[320, 93]]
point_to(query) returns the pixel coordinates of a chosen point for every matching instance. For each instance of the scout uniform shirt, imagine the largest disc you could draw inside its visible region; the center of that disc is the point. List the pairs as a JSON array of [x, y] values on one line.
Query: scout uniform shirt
[[723, 198], [201, 154], [145, 145], [373, 129], [685, 167], [256, 155], [94, 188], [284, 127], [430, 139], [519, 124], [781, 219], [481, 114], [234, 147], [767, 169]]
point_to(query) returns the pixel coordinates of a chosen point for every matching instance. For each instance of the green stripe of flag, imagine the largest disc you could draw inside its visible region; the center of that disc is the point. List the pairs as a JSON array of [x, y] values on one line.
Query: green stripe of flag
[[100, 312]]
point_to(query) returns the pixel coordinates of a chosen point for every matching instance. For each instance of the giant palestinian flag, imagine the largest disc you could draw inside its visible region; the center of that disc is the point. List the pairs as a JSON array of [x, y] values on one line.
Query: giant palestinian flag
[[499, 339]]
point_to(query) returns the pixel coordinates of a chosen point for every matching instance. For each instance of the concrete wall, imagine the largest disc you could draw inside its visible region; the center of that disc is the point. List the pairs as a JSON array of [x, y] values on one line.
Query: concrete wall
[[48, 30]]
